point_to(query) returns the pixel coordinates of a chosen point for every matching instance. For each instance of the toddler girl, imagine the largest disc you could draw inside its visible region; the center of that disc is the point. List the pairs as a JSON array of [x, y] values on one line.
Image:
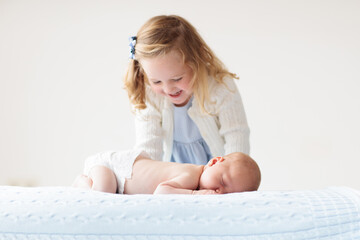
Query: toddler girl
[[187, 106]]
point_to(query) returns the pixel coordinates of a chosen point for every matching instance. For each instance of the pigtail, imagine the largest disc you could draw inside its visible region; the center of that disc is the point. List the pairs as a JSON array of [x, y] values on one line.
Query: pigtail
[[134, 82]]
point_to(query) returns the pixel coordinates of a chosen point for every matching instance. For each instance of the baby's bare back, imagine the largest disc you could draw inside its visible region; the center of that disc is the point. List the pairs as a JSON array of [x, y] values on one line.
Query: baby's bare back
[[148, 174]]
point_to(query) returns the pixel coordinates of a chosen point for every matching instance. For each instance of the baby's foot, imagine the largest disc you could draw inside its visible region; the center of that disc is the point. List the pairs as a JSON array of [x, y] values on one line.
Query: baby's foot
[[83, 181]]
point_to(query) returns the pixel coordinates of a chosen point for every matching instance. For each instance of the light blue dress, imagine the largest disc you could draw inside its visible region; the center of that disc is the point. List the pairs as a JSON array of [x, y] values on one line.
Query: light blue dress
[[188, 145]]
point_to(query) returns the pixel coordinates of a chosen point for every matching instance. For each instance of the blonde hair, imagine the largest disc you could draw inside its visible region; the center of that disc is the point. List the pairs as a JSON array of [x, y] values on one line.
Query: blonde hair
[[162, 34]]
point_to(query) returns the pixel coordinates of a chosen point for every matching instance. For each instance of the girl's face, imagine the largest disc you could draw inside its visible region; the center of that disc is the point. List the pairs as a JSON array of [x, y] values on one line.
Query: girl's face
[[170, 77]]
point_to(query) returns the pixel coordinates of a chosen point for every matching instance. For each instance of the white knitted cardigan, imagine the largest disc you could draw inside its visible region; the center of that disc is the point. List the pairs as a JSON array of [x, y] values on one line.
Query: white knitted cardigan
[[225, 130]]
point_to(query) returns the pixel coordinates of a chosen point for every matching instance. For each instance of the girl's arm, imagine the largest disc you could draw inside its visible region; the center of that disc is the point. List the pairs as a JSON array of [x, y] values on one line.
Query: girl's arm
[[232, 118], [149, 133]]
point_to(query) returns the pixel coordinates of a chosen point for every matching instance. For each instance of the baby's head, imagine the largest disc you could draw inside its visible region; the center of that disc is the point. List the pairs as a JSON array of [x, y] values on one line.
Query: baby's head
[[235, 172], [165, 34]]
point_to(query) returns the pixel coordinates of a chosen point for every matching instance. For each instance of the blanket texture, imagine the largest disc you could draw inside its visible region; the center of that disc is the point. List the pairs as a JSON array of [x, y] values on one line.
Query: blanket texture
[[69, 213]]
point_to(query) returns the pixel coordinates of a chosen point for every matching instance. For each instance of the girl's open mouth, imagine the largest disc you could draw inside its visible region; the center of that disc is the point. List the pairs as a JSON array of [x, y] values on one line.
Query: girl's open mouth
[[176, 94]]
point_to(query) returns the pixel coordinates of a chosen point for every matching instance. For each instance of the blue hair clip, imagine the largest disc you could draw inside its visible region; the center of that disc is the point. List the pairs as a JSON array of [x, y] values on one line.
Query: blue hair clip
[[132, 44]]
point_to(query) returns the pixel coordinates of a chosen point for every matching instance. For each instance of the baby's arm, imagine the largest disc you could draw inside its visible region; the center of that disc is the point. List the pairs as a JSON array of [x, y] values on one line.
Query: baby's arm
[[182, 184]]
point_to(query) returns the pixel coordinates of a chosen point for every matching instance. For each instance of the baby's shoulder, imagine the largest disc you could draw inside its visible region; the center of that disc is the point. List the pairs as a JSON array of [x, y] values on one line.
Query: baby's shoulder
[[189, 170]]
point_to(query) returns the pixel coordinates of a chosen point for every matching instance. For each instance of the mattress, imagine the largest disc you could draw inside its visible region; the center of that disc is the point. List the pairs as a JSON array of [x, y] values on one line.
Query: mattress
[[70, 213]]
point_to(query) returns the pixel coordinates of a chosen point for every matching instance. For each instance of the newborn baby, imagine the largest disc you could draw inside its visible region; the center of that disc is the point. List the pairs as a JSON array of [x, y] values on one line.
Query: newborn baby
[[132, 172]]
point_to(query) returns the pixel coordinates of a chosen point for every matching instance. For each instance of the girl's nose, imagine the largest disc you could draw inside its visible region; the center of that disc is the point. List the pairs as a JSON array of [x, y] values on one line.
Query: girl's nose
[[169, 88]]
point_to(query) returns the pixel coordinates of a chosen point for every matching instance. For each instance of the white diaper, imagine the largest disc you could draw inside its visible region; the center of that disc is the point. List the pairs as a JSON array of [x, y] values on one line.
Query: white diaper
[[120, 162]]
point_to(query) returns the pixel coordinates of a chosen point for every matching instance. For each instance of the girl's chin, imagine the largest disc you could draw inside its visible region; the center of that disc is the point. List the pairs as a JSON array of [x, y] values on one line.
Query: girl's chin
[[180, 102]]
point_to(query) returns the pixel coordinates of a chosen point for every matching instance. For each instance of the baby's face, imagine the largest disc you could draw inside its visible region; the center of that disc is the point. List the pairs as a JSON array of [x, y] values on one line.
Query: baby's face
[[223, 176]]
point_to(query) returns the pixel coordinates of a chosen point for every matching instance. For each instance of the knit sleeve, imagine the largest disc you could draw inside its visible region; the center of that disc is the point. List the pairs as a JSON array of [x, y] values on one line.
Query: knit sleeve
[[149, 132], [232, 118]]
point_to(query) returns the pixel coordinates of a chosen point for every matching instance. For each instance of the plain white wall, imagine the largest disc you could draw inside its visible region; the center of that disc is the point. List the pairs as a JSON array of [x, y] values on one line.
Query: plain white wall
[[61, 96]]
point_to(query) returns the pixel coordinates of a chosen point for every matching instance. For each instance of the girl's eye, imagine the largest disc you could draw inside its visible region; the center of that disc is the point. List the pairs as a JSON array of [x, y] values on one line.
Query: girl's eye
[[177, 79], [157, 82]]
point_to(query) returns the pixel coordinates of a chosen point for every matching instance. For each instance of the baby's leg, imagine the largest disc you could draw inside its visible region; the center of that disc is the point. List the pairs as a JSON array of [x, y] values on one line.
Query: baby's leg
[[82, 181], [103, 179]]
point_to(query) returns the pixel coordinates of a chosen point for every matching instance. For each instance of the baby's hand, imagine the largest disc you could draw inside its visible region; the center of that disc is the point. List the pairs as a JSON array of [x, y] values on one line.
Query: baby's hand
[[204, 192]]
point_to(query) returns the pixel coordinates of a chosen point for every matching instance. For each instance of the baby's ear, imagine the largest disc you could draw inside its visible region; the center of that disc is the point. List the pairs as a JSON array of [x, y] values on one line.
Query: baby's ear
[[214, 160], [210, 163]]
